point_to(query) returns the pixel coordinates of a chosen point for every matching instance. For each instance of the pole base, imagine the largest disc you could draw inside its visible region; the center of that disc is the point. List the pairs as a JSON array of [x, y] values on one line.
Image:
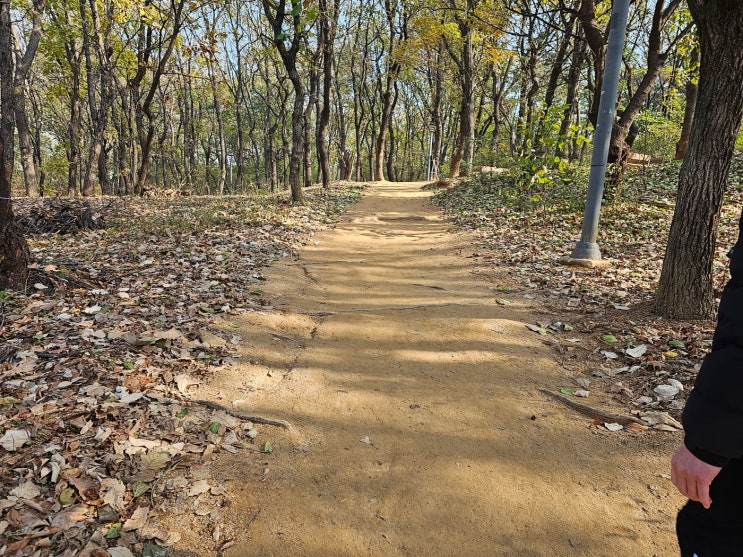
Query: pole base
[[586, 263], [586, 250]]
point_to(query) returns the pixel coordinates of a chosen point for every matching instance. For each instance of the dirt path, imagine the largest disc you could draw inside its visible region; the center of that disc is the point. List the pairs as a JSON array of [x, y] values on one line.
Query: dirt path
[[419, 430]]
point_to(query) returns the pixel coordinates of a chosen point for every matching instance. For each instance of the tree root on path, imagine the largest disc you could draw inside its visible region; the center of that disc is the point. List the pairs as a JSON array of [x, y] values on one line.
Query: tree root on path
[[234, 413], [385, 308], [245, 417], [592, 412]]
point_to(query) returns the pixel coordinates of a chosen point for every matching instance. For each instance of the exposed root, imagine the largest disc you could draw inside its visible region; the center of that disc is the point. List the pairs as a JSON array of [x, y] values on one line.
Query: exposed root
[[592, 412]]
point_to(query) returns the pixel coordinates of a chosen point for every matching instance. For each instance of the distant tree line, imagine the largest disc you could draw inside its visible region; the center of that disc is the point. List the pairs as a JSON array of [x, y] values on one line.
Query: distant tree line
[[217, 97]]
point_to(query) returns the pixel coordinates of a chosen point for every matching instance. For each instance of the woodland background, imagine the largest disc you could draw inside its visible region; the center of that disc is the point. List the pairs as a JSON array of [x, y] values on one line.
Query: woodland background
[[231, 96]]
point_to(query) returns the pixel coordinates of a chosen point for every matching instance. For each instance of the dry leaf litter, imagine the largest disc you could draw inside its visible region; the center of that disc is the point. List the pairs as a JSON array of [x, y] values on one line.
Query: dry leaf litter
[[101, 360], [599, 321]]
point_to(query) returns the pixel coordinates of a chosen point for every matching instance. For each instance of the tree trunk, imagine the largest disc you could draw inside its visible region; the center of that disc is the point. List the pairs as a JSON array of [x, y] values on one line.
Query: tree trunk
[[222, 141], [597, 43], [381, 141], [99, 110], [25, 145], [685, 288], [625, 130], [14, 254], [22, 67], [437, 121], [276, 13], [465, 141], [562, 150], [74, 125], [307, 121], [328, 25], [551, 89], [692, 92]]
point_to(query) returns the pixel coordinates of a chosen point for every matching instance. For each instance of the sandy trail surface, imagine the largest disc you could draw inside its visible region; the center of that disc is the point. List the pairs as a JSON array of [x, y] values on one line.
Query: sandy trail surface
[[412, 385]]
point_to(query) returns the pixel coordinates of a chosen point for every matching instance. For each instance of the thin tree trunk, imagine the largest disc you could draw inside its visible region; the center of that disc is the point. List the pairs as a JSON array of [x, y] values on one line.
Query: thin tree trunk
[[14, 254], [562, 150], [692, 93], [328, 25]]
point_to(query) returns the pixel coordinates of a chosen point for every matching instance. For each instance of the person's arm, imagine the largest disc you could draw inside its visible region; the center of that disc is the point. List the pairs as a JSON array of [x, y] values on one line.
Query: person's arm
[[713, 415]]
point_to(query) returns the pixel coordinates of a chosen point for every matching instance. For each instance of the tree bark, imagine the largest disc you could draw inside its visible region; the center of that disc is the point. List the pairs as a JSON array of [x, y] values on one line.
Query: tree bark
[[275, 13], [465, 62], [328, 25], [562, 150], [685, 287], [691, 92], [22, 67], [14, 254]]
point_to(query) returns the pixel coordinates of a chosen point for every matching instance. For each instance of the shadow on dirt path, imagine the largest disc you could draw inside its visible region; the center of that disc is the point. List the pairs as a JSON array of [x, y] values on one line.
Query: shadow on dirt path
[[418, 427]]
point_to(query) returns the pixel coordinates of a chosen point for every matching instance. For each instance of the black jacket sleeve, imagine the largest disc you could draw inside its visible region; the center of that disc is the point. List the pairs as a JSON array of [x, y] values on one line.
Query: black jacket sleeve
[[713, 416]]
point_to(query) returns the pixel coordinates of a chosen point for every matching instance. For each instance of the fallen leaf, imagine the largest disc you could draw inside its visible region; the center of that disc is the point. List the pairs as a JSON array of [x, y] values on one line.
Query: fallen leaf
[[70, 517], [14, 439], [170, 334], [120, 552], [155, 460], [198, 487], [114, 493], [27, 490], [137, 520]]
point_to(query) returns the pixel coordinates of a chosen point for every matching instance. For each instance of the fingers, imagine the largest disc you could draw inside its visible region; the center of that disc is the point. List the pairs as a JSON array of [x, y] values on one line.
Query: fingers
[[703, 497]]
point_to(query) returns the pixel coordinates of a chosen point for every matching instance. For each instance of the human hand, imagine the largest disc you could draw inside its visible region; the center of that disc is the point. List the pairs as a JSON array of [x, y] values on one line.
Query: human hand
[[693, 476]]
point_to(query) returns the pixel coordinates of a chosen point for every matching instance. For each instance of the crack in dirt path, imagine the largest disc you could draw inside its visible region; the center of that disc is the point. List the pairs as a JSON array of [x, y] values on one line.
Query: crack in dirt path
[[421, 432]]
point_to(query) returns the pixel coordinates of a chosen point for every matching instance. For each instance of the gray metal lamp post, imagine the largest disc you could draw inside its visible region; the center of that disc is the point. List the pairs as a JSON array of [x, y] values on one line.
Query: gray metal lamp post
[[587, 248]]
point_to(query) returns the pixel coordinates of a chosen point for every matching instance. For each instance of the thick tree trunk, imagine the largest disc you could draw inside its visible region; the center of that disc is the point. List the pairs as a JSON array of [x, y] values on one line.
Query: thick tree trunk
[[14, 255], [685, 287]]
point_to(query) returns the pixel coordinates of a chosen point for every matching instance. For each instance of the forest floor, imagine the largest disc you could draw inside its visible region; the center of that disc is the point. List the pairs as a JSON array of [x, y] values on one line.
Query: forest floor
[[418, 427], [410, 356]]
